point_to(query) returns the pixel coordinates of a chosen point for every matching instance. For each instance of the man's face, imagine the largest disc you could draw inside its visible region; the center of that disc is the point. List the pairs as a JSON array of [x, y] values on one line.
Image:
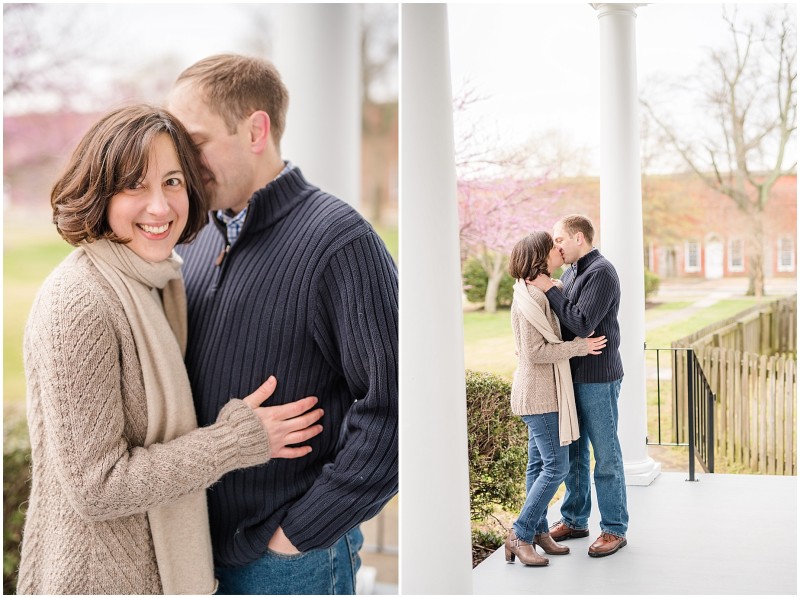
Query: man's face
[[228, 164], [567, 244]]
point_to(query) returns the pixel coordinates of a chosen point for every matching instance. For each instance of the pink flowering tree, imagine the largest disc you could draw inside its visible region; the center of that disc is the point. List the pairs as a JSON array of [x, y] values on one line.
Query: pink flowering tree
[[494, 215], [499, 202]]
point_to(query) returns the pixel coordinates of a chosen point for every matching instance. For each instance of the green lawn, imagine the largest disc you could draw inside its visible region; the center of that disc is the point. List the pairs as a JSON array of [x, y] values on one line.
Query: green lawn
[[489, 346], [390, 237], [489, 343], [26, 263], [667, 307], [662, 336], [30, 253]]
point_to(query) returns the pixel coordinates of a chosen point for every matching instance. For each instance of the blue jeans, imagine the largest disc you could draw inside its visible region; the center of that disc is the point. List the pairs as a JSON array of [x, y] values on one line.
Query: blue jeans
[[323, 571], [598, 419], [548, 463]]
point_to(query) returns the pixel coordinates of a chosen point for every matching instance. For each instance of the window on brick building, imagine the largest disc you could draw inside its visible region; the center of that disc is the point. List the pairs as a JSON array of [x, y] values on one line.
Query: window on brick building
[[736, 255], [692, 256], [785, 254]]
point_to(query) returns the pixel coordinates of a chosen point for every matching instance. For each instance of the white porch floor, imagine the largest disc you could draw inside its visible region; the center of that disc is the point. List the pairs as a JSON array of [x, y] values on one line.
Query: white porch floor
[[725, 534]]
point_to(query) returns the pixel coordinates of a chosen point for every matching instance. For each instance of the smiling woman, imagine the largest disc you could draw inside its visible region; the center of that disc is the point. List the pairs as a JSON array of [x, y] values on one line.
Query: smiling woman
[[110, 410], [133, 159], [152, 213]]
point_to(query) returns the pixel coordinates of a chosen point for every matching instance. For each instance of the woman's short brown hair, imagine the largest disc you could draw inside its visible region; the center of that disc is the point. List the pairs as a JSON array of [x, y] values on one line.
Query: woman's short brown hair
[[529, 256], [113, 156]]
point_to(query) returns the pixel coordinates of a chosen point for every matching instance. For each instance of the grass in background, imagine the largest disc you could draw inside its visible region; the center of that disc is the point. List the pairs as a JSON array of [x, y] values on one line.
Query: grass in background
[[390, 237], [26, 263], [489, 346], [662, 336], [667, 307], [489, 342], [29, 255]]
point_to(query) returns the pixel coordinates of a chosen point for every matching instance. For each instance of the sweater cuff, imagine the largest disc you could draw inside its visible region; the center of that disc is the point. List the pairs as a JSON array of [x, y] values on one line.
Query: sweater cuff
[[245, 443], [583, 347]]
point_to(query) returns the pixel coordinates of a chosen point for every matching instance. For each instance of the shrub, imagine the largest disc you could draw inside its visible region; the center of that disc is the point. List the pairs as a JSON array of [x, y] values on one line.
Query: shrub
[[484, 543], [475, 280], [651, 283], [498, 446], [16, 488]]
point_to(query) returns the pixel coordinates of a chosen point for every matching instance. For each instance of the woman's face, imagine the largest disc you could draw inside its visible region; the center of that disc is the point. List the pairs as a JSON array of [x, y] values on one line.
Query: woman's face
[[554, 259], [153, 213]]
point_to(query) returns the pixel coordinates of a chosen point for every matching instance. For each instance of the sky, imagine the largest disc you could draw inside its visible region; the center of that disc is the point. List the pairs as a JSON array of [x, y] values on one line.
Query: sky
[[537, 65], [130, 37], [133, 39]]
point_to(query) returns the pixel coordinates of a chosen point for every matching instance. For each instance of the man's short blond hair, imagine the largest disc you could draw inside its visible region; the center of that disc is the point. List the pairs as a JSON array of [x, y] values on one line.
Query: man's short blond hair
[[235, 86], [576, 223]]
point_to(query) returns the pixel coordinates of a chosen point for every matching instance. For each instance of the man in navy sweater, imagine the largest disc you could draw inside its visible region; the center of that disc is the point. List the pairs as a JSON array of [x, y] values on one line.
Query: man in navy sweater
[[286, 280], [588, 306]]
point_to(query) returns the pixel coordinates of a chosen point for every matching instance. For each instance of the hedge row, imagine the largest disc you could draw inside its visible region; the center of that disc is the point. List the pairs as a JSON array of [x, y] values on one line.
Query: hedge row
[[498, 446], [16, 488]]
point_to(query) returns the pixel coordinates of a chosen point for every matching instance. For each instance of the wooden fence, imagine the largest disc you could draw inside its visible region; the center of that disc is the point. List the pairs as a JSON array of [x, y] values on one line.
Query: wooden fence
[[755, 414], [750, 363], [763, 329]]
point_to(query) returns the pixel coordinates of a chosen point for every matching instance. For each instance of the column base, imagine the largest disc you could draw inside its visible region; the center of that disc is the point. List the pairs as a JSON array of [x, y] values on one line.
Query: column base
[[641, 473]]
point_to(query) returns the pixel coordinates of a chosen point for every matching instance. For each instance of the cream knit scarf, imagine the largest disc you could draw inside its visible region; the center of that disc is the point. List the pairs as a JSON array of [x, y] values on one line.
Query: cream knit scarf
[[180, 529], [567, 413]]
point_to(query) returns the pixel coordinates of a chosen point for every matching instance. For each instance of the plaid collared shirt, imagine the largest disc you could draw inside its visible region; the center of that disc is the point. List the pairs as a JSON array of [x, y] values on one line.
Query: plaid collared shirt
[[234, 222]]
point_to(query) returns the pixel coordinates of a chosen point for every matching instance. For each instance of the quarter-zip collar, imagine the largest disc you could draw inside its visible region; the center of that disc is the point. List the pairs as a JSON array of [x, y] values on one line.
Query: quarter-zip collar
[[272, 202], [583, 263]]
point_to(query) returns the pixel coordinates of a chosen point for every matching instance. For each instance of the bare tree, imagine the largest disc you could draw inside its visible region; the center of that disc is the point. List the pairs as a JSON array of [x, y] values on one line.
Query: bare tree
[[46, 51], [666, 206], [379, 52], [148, 80], [499, 201], [480, 153], [554, 153], [257, 37], [750, 95]]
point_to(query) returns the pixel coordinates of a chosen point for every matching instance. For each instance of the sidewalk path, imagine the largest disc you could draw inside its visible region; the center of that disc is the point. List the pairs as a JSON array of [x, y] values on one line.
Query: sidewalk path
[[682, 314], [706, 293]]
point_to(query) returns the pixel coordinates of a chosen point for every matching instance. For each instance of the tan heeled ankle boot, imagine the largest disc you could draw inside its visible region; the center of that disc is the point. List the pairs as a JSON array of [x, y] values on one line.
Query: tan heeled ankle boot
[[550, 546], [526, 552]]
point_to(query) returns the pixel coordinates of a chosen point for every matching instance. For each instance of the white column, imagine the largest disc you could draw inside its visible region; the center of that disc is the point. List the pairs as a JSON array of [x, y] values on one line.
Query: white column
[[434, 481], [621, 223], [317, 51]]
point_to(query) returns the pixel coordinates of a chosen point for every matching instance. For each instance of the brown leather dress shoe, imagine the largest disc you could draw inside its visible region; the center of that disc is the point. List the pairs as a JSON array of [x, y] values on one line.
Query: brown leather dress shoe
[[526, 552], [561, 531], [606, 545], [546, 543]]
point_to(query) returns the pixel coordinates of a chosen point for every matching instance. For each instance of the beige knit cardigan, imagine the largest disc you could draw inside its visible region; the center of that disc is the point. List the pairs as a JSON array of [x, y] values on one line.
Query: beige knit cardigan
[[534, 388], [86, 528]]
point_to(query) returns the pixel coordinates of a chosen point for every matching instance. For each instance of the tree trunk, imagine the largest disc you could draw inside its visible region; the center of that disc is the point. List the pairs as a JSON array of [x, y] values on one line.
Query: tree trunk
[[755, 258], [490, 301], [495, 273]]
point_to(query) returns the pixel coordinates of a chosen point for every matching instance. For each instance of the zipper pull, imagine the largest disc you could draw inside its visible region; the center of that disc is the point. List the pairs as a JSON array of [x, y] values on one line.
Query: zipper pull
[[222, 255]]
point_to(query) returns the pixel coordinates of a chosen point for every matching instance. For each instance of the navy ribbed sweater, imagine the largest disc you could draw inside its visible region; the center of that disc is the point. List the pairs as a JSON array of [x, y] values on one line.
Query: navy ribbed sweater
[[308, 293], [590, 302]]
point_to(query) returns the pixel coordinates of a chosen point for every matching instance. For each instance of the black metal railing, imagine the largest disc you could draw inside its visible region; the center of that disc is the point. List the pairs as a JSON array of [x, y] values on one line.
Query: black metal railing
[[689, 384]]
